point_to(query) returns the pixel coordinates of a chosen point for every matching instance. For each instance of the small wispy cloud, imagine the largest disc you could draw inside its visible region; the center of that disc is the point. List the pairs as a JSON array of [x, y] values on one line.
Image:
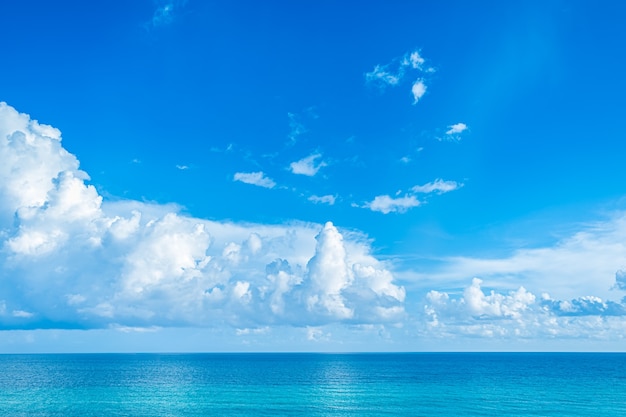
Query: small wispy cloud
[[439, 186], [165, 12], [387, 204], [182, 167], [22, 314], [324, 199], [393, 73], [254, 178], [454, 132], [296, 128], [381, 76], [307, 166]]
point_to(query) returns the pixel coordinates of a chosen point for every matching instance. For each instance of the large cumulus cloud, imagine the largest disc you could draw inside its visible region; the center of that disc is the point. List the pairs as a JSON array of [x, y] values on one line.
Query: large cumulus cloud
[[519, 314], [69, 259]]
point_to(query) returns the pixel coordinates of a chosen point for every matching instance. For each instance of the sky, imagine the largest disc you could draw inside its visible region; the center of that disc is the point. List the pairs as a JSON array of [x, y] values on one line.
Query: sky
[[187, 175]]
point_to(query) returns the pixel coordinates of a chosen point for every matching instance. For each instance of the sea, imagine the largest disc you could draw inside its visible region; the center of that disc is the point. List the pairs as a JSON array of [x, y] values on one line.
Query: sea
[[308, 384]]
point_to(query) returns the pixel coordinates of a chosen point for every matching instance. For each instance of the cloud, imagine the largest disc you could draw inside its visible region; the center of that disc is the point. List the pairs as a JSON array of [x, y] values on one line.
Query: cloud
[[71, 259], [254, 178], [454, 132], [583, 306], [307, 166], [328, 275], [416, 60], [620, 279], [418, 90], [392, 74], [386, 204], [325, 199], [165, 12], [518, 314], [296, 128], [584, 261], [456, 128], [380, 76], [182, 167], [439, 186]]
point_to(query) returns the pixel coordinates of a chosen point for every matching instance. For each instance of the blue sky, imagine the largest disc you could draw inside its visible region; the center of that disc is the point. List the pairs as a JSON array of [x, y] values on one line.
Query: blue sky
[[196, 175]]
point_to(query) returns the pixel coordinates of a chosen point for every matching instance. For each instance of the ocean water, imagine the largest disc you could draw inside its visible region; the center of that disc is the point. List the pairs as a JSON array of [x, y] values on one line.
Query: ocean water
[[413, 384]]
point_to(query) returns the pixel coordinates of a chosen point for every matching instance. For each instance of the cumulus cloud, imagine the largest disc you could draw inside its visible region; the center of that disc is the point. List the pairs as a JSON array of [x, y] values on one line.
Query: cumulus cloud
[[439, 186], [517, 314], [307, 166], [418, 90], [255, 178], [456, 128], [329, 274], [324, 199], [70, 259], [387, 204]]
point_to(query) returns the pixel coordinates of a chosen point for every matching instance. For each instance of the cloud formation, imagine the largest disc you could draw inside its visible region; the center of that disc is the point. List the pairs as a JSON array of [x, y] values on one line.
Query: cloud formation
[[392, 74], [583, 262], [387, 204], [254, 178], [454, 132], [325, 199], [307, 166], [418, 90], [439, 186], [70, 259], [518, 314]]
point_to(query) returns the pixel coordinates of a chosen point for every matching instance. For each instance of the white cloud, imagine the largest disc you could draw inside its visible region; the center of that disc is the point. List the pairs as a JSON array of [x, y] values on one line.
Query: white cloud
[[440, 186], [182, 167], [255, 178], [418, 90], [382, 77], [454, 132], [583, 262], [392, 74], [456, 129], [328, 275], [307, 166], [80, 261], [325, 199], [415, 60], [386, 204], [22, 314], [518, 314]]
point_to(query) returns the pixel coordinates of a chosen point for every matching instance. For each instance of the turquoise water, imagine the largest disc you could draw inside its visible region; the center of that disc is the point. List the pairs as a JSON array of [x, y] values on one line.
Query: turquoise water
[[420, 384]]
